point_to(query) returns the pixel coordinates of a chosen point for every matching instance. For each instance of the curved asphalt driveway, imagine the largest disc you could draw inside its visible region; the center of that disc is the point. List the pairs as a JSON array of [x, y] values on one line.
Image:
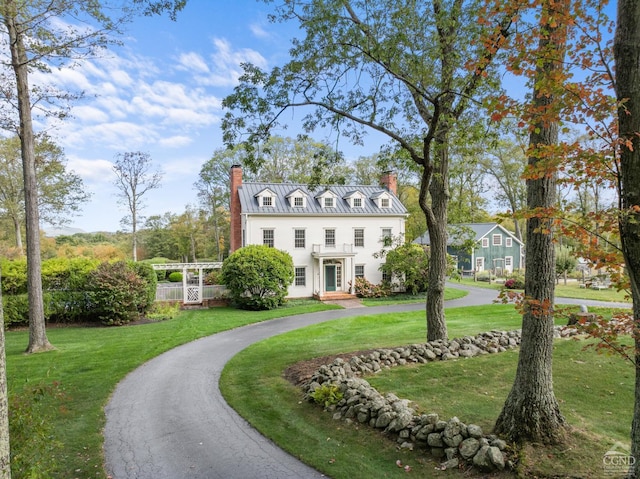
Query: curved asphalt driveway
[[168, 420]]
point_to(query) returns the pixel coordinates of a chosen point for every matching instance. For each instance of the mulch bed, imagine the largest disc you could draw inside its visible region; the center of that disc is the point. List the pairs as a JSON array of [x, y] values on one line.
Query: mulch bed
[[299, 373]]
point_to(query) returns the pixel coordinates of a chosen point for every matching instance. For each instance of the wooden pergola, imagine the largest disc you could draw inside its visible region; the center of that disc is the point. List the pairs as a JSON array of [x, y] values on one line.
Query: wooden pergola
[[192, 291]]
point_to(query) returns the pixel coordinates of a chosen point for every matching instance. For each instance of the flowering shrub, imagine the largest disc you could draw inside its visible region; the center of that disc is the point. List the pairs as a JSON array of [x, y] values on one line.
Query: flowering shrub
[[365, 289]]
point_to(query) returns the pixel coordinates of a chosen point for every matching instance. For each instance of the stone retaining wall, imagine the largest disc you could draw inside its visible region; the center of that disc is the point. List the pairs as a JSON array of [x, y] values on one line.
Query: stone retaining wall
[[451, 441]]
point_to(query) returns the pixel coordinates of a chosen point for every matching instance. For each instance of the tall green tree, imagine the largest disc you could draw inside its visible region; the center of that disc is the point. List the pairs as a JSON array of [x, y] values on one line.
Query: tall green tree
[[299, 160], [213, 192], [60, 192], [531, 411], [627, 61], [408, 70], [37, 39], [135, 177]]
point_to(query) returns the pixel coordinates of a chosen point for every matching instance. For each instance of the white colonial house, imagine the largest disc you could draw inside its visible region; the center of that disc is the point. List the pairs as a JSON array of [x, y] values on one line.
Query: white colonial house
[[331, 233]]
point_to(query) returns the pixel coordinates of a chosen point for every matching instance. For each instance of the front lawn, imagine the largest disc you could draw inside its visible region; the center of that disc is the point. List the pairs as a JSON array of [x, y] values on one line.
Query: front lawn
[[70, 386], [400, 298], [571, 290], [596, 394]]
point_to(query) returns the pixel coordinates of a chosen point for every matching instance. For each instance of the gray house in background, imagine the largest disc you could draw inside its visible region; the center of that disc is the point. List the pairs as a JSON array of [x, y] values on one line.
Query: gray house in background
[[495, 249]]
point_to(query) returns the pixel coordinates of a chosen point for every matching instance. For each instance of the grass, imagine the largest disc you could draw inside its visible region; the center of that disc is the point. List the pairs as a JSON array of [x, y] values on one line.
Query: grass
[[449, 293], [89, 362], [570, 290], [596, 394]]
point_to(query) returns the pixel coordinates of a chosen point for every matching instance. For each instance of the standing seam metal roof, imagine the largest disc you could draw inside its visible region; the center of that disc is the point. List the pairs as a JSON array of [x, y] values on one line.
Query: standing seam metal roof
[[281, 204]]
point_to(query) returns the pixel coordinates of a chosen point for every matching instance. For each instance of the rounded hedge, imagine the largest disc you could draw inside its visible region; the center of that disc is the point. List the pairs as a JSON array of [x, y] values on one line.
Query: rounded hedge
[[175, 277], [258, 277]]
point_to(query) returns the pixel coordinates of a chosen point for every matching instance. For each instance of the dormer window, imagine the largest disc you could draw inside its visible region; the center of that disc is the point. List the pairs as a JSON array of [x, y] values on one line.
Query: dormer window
[[382, 199], [266, 198], [327, 199], [354, 199], [297, 198]]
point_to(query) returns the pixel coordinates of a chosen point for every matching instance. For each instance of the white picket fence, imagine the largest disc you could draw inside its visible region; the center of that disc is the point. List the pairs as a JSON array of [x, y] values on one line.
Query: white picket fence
[[175, 292]]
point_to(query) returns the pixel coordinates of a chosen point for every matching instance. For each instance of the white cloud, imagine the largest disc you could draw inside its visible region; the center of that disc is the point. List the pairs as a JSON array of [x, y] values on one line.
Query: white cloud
[[258, 31], [91, 170], [177, 141], [121, 78], [89, 114], [192, 62], [117, 136], [225, 68]]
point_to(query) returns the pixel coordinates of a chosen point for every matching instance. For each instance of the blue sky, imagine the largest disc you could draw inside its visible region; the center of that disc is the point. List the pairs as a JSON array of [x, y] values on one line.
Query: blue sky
[[161, 93]]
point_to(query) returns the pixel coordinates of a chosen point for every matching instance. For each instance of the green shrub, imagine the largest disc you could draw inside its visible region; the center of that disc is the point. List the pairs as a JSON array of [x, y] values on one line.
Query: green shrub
[[66, 274], [119, 294], [364, 289], [175, 277], [68, 307], [408, 265], [14, 276], [258, 277], [15, 309], [213, 277], [147, 273], [485, 276], [515, 281], [327, 395], [162, 311]]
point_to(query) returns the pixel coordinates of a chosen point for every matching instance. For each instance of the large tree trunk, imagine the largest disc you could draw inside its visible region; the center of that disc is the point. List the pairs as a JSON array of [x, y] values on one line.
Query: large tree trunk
[[5, 456], [437, 224], [434, 185], [531, 411], [37, 333], [627, 59]]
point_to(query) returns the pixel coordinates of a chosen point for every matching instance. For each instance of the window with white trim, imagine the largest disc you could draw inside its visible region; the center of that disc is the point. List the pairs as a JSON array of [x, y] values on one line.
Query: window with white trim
[[358, 237], [387, 236], [298, 202], [300, 276], [330, 238], [508, 242], [359, 271], [357, 202], [485, 242], [385, 203], [299, 238], [496, 240], [268, 238], [267, 201], [328, 202]]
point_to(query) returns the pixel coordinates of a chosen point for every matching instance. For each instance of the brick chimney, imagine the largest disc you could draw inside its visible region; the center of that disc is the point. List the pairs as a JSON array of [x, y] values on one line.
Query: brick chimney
[[235, 177], [390, 181]]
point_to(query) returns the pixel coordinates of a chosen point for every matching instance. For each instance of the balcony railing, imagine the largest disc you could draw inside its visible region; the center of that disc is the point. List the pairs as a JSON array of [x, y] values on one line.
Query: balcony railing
[[338, 248]]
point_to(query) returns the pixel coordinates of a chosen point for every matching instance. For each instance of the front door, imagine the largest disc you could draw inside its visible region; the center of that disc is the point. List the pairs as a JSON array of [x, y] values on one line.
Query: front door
[[330, 277]]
